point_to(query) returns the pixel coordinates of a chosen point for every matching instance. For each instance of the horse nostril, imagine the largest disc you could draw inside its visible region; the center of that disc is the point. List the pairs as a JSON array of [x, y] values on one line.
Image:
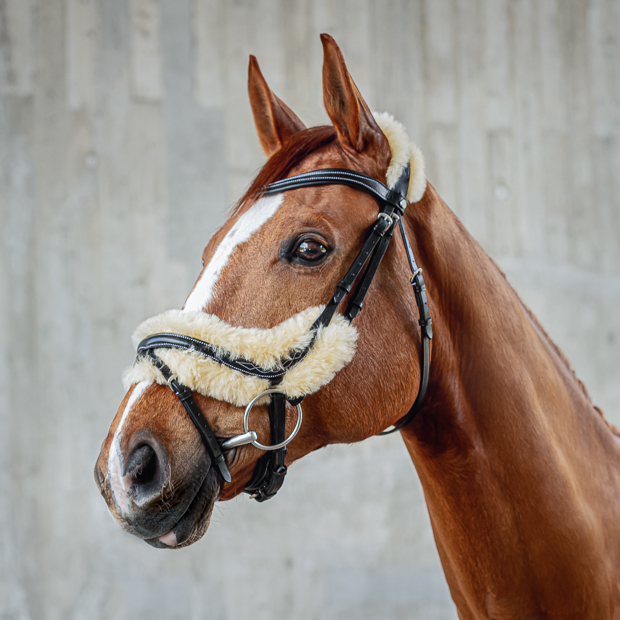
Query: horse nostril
[[145, 472], [142, 465]]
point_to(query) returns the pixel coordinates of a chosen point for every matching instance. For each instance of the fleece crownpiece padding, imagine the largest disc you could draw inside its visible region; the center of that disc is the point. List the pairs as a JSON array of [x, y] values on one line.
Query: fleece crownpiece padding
[[403, 151], [332, 349]]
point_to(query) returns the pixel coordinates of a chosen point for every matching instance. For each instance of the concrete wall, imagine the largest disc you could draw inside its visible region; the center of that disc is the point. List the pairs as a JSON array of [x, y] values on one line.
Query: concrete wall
[[125, 133]]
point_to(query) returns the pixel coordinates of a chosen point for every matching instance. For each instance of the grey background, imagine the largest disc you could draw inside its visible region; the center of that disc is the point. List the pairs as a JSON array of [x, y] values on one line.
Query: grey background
[[125, 134]]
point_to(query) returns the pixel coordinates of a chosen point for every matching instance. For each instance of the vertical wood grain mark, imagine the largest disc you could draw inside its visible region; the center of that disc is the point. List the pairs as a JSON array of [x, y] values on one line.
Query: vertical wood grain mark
[[193, 141], [582, 218], [527, 125], [472, 127], [81, 42], [303, 56], [442, 82], [556, 194], [206, 30], [555, 48], [498, 64], [16, 47], [146, 50], [442, 77], [501, 190]]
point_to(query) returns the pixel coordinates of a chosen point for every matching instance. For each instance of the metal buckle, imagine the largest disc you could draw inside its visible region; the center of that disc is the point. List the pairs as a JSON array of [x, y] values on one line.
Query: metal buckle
[[416, 273], [387, 218], [249, 436]]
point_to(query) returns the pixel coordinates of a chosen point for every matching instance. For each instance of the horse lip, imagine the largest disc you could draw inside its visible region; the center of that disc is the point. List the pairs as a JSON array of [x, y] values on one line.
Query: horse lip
[[198, 511]]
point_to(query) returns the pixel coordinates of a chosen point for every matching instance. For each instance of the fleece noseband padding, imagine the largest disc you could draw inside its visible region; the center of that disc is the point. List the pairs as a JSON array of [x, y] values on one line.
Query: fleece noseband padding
[[332, 349]]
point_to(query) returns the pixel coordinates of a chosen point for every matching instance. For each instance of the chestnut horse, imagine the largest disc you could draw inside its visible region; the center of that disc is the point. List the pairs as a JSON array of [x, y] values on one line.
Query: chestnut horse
[[521, 473]]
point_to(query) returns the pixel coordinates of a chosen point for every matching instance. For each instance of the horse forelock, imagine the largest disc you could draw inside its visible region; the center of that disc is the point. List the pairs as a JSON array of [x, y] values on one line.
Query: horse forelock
[[279, 165], [304, 143]]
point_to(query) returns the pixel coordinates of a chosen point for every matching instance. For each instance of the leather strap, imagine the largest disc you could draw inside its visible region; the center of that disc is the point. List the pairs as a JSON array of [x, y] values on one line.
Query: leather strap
[[425, 321], [343, 288], [357, 301], [342, 176], [270, 469], [178, 341], [184, 394]]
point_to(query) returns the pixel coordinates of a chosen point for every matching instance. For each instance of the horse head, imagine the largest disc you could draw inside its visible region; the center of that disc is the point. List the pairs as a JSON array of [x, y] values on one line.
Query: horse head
[[267, 276]]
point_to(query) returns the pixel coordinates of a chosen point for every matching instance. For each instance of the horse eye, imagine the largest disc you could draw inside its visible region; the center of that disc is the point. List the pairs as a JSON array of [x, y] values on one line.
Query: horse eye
[[310, 250]]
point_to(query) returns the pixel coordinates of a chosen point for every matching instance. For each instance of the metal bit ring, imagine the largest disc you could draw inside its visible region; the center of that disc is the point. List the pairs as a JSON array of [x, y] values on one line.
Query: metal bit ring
[[246, 417]]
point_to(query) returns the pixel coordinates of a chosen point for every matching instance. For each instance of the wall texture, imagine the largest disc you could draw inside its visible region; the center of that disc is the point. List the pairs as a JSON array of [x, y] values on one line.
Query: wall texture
[[125, 134]]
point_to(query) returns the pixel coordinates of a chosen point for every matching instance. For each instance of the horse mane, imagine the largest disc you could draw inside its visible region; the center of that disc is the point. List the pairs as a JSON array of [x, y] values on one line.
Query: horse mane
[[534, 319], [296, 148]]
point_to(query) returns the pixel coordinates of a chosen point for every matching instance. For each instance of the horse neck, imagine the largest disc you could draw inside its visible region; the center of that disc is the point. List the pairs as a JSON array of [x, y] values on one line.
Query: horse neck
[[497, 380], [513, 458]]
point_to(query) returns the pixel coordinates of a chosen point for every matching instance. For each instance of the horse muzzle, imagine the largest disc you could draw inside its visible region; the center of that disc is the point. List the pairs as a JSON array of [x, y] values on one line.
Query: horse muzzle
[[138, 483]]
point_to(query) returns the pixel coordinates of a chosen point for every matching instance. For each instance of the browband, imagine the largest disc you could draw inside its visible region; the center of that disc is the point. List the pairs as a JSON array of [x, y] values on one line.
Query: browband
[[341, 176]]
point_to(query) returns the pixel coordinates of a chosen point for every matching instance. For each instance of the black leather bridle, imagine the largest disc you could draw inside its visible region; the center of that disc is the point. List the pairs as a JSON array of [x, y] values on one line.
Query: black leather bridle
[[270, 469]]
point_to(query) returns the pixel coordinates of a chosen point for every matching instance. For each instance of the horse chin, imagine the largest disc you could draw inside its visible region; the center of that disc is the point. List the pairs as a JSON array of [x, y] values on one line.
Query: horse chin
[[193, 523]]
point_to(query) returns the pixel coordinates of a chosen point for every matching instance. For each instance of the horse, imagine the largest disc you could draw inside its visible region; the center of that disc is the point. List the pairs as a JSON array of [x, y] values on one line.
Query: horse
[[520, 470]]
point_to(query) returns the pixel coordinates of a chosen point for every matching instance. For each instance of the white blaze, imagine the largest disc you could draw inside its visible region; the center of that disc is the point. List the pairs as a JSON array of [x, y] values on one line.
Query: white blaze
[[114, 456], [241, 231]]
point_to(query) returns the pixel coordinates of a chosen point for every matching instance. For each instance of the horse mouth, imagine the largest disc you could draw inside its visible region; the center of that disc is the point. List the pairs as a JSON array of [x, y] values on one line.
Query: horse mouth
[[193, 523]]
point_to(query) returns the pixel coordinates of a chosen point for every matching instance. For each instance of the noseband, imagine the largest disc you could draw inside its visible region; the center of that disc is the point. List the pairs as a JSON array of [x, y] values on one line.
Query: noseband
[[270, 469]]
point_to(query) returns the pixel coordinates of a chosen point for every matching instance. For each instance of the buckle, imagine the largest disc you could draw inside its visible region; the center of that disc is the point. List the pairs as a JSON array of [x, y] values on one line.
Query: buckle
[[415, 275], [389, 222]]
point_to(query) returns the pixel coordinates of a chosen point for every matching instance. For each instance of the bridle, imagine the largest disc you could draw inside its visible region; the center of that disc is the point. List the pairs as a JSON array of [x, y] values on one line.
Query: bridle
[[270, 469]]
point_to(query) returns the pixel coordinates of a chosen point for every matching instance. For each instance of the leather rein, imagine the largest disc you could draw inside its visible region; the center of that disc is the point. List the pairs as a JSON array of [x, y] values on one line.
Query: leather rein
[[270, 469]]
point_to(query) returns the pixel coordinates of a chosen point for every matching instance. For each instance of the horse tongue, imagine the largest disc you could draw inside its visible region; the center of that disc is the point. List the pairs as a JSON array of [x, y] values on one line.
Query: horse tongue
[[169, 539]]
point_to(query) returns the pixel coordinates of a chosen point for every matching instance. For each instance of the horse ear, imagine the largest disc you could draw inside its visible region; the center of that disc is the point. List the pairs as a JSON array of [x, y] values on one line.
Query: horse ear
[[351, 116], [275, 121]]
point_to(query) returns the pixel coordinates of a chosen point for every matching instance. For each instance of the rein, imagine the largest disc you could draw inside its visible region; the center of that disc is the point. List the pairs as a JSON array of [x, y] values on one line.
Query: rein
[[270, 469]]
